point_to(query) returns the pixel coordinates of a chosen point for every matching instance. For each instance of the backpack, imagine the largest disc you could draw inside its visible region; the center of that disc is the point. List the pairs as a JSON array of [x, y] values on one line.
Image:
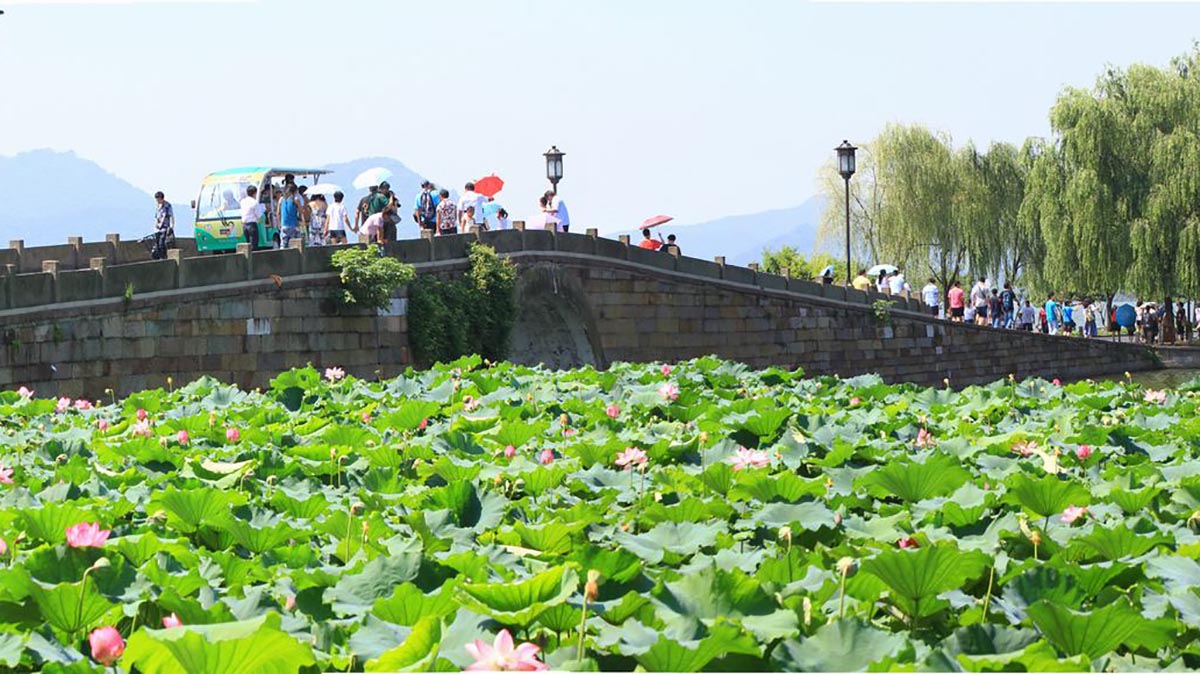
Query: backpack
[[425, 208]]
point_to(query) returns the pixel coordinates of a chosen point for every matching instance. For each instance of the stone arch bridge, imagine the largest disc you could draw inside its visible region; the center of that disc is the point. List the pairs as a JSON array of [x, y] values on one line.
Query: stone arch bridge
[[82, 318]]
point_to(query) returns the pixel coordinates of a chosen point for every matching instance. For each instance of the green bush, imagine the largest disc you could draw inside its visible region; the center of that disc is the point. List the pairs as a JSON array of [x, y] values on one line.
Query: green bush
[[368, 278], [469, 315]]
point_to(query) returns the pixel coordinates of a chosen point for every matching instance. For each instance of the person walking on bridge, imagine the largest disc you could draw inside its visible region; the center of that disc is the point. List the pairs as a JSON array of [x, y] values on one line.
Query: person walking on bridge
[[164, 227], [252, 212], [931, 296]]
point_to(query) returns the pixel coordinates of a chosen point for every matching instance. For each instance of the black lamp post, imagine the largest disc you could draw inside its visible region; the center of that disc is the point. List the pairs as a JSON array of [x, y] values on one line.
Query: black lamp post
[[553, 166], [845, 155]]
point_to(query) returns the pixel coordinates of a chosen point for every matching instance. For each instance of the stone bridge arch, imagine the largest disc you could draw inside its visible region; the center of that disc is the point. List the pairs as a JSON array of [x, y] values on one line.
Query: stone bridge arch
[[555, 324]]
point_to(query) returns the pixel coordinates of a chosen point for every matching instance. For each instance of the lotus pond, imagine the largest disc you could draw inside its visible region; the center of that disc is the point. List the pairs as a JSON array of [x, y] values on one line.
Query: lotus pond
[[695, 517]]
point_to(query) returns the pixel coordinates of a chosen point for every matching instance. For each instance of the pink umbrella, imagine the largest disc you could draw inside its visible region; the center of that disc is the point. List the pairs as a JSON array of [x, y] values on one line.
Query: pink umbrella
[[656, 221]]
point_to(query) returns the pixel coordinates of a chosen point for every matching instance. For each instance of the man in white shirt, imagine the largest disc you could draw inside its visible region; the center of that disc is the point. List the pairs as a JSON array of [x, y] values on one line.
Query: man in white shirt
[[472, 198], [559, 207], [252, 211], [897, 284], [932, 297]]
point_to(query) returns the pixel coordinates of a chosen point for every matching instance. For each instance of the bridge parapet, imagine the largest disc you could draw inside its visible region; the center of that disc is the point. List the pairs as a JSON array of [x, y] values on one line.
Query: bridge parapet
[[81, 272]]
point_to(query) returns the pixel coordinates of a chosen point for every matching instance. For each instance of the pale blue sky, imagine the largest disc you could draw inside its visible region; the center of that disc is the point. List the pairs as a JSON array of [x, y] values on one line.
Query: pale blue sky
[[694, 108]]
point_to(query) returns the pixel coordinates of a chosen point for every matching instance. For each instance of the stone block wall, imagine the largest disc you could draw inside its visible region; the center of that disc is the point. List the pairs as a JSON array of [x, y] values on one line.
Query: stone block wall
[[244, 334], [644, 315], [118, 321]]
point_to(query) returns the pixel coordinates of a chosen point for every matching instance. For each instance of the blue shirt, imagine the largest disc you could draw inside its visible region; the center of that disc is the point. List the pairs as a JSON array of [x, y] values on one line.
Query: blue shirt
[[1051, 311], [1068, 312], [289, 213]]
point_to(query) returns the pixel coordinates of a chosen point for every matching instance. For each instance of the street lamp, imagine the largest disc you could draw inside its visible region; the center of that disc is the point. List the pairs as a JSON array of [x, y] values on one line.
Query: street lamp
[[845, 155], [553, 166]]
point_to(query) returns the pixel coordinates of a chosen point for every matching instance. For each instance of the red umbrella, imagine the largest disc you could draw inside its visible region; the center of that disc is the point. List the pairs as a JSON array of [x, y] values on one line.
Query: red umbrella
[[656, 221], [489, 186]]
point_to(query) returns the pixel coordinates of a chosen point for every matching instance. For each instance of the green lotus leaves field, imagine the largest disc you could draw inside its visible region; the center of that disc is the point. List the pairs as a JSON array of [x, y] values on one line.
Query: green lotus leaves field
[[696, 517]]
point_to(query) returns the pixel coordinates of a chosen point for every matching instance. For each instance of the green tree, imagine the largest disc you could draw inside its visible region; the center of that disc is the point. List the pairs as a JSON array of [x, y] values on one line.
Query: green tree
[[799, 265]]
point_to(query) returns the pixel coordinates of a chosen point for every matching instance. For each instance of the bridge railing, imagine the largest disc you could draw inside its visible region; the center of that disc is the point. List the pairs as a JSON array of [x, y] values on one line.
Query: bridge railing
[[83, 272]]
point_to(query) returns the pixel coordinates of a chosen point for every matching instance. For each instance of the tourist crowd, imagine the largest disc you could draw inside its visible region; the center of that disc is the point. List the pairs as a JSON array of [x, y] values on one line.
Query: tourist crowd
[[317, 221], [1003, 307]]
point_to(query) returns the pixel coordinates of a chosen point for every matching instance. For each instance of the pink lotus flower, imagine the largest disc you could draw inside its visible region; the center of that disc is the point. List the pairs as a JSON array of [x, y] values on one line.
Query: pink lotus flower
[[906, 543], [856, 400], [1082, 452], [546, 457], [141, 414], [334, 374], [82, 404], [502, 656], [5, 475], [1025, 448], [669, 391], [631, 458], [510, 452], [172, 621], [666, 369], [925, 439], [1156, 397], [106, 644], [612, 411], [102, 424], [87, 535], [3, 547], [232, 435], [569, 431], [25, 392], [423, 425], [1056, 381], [749, 458], [142, 428], [63, 405], [1073, 513], [289, 604], [182, 437], [470, 404]]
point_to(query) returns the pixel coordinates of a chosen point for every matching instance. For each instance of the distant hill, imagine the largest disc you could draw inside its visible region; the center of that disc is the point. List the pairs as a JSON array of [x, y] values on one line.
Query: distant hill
[[49, 196], [742, 238]]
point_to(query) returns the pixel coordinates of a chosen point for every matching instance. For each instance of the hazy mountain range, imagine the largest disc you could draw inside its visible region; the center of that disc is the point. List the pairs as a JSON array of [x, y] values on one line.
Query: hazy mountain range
[[49, 196]]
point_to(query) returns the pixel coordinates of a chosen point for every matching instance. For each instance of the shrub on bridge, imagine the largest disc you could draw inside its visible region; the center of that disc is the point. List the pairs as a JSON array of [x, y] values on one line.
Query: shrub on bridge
[[368, 278], [469, 315]]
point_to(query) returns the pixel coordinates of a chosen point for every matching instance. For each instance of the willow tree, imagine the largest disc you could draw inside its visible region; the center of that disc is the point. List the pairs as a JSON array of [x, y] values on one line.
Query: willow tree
[[921, 217], [1128, 158]]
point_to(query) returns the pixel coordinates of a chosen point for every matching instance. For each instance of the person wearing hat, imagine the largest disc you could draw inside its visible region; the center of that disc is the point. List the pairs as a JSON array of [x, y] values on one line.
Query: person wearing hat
[[425, 207]]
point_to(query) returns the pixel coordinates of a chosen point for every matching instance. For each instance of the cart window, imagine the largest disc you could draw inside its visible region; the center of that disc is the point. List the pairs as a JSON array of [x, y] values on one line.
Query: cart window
[[221, 200]]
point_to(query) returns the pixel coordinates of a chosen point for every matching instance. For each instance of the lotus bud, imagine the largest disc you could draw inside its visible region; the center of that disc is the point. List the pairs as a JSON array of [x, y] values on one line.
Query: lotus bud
[[366, 526], [845, 566], [785, 533], [101, 563], [703, 437], [624, 526], [498, 480], [289, 604], [658, 497], [1035, 537], [946, 381], [807, 604], [357, 507], [61, 458], [837, 519], [591, 589]]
